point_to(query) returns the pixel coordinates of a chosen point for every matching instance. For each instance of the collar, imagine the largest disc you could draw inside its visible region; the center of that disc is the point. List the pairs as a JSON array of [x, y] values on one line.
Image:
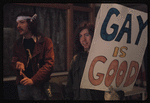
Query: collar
[[33, 37]]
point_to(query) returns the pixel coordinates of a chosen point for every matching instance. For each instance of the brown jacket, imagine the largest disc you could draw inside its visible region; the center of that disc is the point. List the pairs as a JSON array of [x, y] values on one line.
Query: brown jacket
[[42, 59]]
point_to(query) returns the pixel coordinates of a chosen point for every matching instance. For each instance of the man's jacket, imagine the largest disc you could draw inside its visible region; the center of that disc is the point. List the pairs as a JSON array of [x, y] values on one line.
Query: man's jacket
[[42, 59]]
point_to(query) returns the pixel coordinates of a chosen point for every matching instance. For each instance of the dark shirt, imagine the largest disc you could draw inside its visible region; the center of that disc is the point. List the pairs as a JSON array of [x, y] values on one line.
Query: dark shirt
[[28, 44]]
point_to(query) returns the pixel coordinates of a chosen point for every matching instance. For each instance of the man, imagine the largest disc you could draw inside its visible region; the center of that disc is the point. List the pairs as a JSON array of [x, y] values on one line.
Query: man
[[83, 39], [33, 58]]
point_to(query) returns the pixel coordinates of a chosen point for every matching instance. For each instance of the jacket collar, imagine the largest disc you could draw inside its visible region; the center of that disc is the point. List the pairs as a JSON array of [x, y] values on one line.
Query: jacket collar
[[39, 39], [37, 48], [33, 37]]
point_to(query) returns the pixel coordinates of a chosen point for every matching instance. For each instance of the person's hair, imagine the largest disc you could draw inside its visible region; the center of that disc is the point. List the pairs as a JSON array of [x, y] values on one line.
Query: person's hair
[[84, 25], [32, 26]]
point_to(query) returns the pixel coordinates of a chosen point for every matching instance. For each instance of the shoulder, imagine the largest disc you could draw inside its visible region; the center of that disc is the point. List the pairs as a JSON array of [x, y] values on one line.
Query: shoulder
[[47, 38], [82, 53], [75, 62], [44, 39], [76, 58]]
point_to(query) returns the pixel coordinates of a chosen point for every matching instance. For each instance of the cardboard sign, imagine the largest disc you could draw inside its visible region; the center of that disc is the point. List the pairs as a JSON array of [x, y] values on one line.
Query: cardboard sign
[[117, 49]]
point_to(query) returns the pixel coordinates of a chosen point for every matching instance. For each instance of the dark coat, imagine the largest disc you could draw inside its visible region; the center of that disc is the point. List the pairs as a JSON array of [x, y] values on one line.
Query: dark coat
[[42, 59], [73, 91]]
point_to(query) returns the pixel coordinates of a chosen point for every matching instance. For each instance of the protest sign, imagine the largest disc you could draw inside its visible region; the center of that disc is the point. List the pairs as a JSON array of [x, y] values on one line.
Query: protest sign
[[117, 49]]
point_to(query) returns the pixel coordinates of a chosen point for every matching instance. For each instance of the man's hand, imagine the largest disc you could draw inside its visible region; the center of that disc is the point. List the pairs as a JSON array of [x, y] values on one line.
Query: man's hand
[[20, 66], [26, 80]]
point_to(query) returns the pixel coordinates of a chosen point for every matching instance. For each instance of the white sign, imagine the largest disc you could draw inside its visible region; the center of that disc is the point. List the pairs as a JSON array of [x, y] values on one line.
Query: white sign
[[117, 49]]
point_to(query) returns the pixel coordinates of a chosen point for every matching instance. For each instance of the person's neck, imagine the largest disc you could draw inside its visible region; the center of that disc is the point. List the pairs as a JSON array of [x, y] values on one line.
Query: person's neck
[[28, 35]]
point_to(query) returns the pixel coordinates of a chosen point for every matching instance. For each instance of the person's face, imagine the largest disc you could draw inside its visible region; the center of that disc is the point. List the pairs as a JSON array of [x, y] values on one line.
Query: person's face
[[85, 39], [22, 27]]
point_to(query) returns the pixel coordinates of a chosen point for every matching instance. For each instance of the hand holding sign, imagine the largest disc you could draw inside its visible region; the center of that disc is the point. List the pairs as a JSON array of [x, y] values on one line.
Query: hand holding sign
[[117, 49]]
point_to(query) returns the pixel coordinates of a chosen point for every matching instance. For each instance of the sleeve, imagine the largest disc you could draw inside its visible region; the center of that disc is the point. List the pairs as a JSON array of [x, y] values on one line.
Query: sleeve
[[68, 88], [45, 71]]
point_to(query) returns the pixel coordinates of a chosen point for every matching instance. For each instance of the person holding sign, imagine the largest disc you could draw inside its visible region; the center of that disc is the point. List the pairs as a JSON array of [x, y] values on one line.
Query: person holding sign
[[84, 35]]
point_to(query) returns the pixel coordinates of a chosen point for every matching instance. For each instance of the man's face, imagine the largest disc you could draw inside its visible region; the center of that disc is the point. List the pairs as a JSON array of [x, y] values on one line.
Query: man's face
[[85, 39], [22, 27]]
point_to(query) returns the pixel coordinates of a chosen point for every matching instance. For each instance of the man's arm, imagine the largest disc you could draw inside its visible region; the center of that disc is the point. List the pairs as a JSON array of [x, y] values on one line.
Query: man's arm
[[45, 71]]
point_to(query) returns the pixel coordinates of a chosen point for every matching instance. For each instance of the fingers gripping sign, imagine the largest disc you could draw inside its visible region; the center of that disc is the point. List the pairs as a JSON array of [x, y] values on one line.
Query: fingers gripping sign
[[111, 95]]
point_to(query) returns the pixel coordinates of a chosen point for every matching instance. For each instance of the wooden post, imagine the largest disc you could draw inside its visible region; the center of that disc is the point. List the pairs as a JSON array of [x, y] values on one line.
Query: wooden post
[[69, 36], [92, 14]]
